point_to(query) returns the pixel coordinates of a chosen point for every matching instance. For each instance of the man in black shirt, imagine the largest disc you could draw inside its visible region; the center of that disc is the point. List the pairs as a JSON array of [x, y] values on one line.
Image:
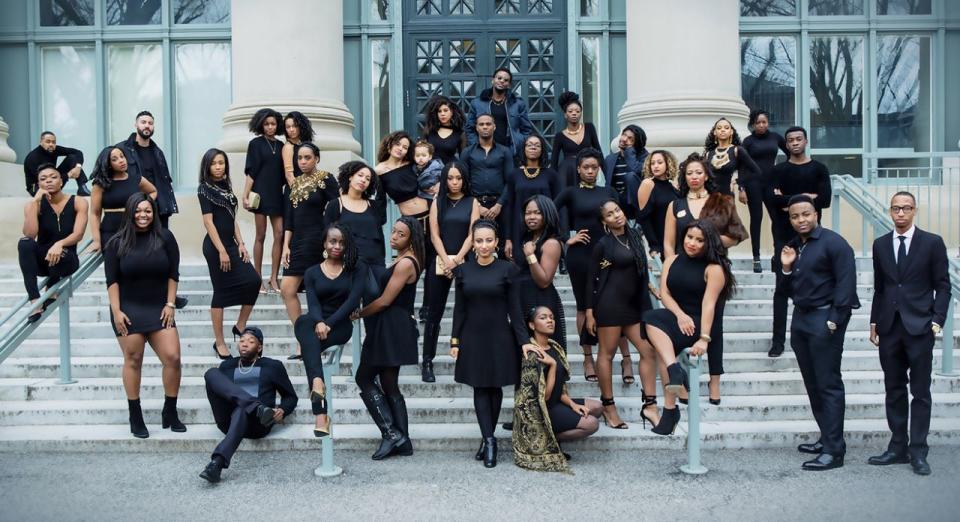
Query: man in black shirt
[[488, 164], [146, 158], [820, 274], [243, 395], [798, 175], [49, 152]]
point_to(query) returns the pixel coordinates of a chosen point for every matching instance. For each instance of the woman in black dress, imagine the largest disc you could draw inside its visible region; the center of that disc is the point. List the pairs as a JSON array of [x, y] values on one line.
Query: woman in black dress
[[618, 293], [391, 340], [112, 187], [333, 293], [692, 285], [443, 128], [265, 177], [763, 145], [532, 178], [452, 214], [575, 137], [234, 280], [488, 331], [541, 252], [303, 226], [297, 130], [53, 224], [654, 196], [142, 265]]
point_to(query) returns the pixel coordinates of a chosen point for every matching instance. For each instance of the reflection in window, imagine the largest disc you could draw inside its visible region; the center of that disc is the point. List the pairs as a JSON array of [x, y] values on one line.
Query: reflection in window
[[428, 7], [507, 54], [836, 7], [133, 12], [69, 96], [836, 91], [768, 7], [507, 7], [203, 95], [135, 83], [201, 11], [59, 13], [589, 7], [380, 9], [903, 7], [768, 77], [539, 6], [380, 75], [462, 7], [903, 92], [851, 164], [590, 78]]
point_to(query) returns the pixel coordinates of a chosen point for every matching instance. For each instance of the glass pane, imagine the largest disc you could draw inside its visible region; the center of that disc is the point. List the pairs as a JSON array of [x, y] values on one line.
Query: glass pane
[[135, 83], [540, 7], [58, 13], [203, 95], [768, 7], [903, 92], [541, 96], [380, 75], [851, 164], [589, 7], [201, 11], [590, 77], [428, 7], [69, 97], [904, 169], [507, 7], [462, 7], [463, 56], [540, 54], [836, 7], [429, 56], [903, 7], [507, 54], [461, 92], [836, 92], [380, 9], [133, 12], [768, 76]]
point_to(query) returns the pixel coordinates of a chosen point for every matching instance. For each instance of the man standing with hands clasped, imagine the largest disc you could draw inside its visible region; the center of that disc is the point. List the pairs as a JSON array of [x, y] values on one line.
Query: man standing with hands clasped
[[820, 275], [910, 302]]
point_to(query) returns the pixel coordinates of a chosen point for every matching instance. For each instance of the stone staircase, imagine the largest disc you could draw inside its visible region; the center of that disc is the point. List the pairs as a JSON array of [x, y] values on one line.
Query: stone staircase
[[764, 403]]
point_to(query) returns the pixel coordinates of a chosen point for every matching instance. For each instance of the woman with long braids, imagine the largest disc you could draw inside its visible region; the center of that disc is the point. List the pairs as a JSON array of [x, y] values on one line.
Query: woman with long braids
[[576, 136], [488, 332], [618, 290], [692, 285], [699, 201], [452, 214], [531, 178], [112, 187], [265, 177], [303, 226], [654, 196], [443, 128], [541, 253], [234, 280], [333, 292], [725, 155], [763, 145], [142, 267], [297, 130], [391, 340]]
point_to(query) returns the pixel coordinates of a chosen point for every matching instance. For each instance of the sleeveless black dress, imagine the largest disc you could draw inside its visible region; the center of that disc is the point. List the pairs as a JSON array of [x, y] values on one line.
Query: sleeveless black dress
[[142, 276], [653, 217], [562, 417], [392, 334], [619, 291], [565, 151], [532, 295], [116, 198], [241, 285], [687, 284]]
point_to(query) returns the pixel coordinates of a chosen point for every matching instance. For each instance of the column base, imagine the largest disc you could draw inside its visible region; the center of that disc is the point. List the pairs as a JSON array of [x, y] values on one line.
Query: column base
[[681, 123], [6, 153]]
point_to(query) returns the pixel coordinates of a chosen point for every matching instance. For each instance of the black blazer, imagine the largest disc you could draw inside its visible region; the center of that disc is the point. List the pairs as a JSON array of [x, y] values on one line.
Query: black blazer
[[273, 380], [922, 295]]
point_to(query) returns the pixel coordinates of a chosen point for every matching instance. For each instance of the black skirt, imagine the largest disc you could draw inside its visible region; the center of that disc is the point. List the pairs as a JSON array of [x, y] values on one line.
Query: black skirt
[[240, 286]]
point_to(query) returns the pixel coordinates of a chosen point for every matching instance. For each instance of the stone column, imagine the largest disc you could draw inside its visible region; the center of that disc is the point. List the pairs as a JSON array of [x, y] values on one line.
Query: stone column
[[7, 154], [11, 178], [288, 55], [683, 71]]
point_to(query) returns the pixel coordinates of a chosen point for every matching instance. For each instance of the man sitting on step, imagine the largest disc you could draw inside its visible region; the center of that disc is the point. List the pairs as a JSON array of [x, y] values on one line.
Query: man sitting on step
[[243, 395]]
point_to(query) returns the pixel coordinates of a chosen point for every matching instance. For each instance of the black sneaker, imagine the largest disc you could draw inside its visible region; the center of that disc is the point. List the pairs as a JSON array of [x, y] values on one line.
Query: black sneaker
[[211, 473], [776, 350]]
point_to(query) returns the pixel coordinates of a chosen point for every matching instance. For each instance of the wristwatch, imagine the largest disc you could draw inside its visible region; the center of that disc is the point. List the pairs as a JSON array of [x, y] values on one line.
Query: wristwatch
[[831, 326], [936, 328]]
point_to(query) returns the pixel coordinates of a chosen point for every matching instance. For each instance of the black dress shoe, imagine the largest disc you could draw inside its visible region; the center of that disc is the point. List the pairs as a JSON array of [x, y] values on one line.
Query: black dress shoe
[[888, 457], [776, 350], [823, 462], [814, 449], [920, 466], [265, 416], [211, 473], [82, 189]]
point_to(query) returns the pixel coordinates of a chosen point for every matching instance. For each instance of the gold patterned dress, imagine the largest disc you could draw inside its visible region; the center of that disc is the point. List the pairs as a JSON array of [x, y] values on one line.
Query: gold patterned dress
[[308, 198]]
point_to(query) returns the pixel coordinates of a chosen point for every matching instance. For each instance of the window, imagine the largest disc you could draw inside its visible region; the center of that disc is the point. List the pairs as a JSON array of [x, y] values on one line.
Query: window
[[135, 83], [133, 12], [201, 11], [836, 91], [768, 7], [590, 78], [69, 96], [57, 13], [769, 77], [835, 7], [589, 8], [380, 76], [904, 7], [203, 95], [903, 92]]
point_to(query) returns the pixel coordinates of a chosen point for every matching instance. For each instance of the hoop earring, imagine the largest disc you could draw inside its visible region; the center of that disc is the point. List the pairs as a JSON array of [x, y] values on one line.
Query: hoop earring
[[324, 254]]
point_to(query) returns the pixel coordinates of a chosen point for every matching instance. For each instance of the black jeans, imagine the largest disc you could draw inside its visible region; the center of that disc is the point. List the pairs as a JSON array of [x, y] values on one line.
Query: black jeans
[[901, 352], [33, 264], [312, 347], [782, 234], [235, 412], [436, 294], [755, 190], [487, 402], [819, 353]]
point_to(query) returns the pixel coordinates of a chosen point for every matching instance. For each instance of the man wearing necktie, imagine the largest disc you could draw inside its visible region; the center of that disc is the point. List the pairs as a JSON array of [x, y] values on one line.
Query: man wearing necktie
[[910, 302]]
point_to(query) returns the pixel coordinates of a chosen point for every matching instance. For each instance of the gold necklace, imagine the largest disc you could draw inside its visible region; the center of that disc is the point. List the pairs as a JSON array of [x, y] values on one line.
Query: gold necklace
[[622, 243], [323, 268], [720, 158], [526, 172], [697, 195]]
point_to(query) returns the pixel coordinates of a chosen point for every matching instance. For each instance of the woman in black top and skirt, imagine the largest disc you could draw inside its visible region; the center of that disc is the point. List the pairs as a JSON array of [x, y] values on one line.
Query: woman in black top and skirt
[[234, 280], [452, 214], [333, 293], [488, 331], [692, 284], [763, 145], [575, 137], [541, 251], [53, 224], [391, 340], [142, 266], [530, 179], [112, 187], [443, 128], [303, 226], [654, 196], [265, 177]]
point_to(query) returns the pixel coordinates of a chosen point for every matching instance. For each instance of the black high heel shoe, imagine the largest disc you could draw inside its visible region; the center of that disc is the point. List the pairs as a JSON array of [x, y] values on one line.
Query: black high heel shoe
[[220, 355], [169, 417], [610, 402], [668, 421], [236, 333], [679, 380], [137, 427], [318, 403], [648, 400]]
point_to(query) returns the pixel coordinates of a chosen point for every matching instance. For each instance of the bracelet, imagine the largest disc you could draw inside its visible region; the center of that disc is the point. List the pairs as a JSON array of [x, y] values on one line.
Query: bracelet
[[171, 305], [531, 259], [705, 337]]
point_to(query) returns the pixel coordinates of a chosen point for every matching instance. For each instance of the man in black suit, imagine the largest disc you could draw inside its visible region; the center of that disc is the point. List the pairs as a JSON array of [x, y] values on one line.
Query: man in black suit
[[910, 302]]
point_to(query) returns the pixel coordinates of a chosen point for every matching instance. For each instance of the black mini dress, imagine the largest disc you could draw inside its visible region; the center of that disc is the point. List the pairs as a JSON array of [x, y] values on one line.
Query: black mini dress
[[142, 276]]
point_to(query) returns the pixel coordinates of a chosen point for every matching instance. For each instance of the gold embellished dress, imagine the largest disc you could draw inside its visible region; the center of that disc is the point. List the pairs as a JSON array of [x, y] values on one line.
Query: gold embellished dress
[[308, 198]]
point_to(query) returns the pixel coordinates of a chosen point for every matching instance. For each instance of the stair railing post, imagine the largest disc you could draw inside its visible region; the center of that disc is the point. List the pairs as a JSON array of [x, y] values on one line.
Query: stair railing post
[[693, 465], [327, 468], [946, 352], [65, 363]]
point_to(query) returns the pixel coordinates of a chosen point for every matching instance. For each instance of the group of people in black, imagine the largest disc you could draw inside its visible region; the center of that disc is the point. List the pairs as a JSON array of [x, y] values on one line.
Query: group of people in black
[[484, 211]]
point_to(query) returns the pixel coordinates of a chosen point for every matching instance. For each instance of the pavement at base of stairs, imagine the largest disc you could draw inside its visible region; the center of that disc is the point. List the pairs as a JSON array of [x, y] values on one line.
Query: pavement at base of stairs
[[637, 485]]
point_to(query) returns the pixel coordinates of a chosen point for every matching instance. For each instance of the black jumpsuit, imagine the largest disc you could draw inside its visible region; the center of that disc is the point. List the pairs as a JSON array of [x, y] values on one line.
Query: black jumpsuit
[[33, 252], [241, 284], [142, 277]]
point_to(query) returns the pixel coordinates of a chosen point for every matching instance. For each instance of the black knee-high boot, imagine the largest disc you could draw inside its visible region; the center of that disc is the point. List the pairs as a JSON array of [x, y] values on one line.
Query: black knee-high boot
[[398, 406], [382, 416]]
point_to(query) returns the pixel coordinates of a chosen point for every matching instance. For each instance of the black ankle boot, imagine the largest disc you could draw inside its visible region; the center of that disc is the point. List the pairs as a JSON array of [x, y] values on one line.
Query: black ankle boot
[[482, 451], [668, 421], [426, 372], [490, 453], [382, 416], [211, 473], [398, 406], [169, 417], [137, 427]]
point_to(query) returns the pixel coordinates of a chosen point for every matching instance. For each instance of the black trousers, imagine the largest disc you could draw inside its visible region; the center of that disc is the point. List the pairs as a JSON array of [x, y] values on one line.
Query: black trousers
[[756, 190], [33, 264], [907, 359], [487, 403], [235, 412], [436, 291], [819, 353], [782, 234], [312, 347]]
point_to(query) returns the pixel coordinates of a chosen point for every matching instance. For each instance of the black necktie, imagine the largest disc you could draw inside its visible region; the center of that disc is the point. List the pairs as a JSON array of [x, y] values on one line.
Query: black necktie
[[901, 254]]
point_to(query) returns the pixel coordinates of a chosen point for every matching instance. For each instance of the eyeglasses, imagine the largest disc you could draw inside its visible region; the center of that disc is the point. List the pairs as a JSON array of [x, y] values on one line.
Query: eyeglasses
[[905, 210]]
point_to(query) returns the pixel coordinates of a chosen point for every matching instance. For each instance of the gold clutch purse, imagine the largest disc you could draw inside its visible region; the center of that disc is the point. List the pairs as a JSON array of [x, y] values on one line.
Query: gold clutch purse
[[439, 265], [253, 201]]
